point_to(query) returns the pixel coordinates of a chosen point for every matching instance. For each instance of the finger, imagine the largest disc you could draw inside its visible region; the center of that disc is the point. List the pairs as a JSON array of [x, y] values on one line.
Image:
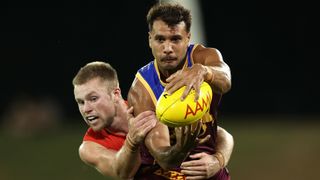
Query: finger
[[194, 168], [186, 92], [196, 177], [197, 155], [145, 117], [149, 123], [193, 172], [191, 163], [197, 93], [197, 128], [169, 79], [144, 114], [173, 86], [172, 81], [203, 140], [144, 132], [130, 112]]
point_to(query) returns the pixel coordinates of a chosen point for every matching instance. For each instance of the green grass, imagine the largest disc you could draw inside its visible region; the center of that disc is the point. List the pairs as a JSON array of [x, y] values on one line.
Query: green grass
[[49, 156], [271, 148], [275, 148]]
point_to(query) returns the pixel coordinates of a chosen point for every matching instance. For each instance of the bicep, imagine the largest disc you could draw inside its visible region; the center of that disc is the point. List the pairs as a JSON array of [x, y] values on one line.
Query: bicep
[[98, 156], [140, 99], [208, 56], [223, 135]]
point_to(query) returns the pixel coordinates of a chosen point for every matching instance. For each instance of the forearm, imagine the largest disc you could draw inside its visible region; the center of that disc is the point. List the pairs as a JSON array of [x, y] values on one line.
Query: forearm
[[219, 77], [168, 157], [127, 160], [225, 144], [158, 144]]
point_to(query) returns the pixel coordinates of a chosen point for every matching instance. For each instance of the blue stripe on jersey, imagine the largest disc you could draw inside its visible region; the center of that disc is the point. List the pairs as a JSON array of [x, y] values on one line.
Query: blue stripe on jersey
[[149, 73], [189, 55]]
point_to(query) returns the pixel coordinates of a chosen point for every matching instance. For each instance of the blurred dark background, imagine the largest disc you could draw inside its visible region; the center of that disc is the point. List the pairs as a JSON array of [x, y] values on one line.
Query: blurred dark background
[[272, 50]]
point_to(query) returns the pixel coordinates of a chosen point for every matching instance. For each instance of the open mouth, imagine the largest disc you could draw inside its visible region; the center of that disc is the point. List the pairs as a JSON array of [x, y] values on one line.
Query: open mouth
[[91, 118]]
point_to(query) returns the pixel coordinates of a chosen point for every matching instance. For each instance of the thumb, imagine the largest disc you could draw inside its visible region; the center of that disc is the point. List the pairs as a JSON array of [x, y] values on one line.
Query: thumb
[[130, 116], [130, 112], [197, 155], [173, 76]]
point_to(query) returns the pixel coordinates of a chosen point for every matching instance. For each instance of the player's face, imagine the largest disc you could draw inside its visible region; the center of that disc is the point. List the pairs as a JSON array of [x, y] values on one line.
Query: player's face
[[169, 45], [95, 104]]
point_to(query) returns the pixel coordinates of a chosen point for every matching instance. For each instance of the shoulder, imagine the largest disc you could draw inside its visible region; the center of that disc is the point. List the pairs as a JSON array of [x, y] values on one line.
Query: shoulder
[[201, 48], [86, 150], [92, 135], [202, 54], [139, 98], [147, 67]]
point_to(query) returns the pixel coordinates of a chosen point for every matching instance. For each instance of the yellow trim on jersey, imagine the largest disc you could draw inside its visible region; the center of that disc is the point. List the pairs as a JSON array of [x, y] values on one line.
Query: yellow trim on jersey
[[158, 73], [148, 88]]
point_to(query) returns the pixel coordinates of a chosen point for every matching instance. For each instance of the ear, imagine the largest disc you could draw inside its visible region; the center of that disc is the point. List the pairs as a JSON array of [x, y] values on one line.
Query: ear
[[189, 36], [117, 94], [149, 34]]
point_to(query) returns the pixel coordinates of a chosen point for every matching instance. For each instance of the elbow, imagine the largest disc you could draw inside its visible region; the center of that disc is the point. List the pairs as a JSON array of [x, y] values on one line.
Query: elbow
[[223, 87], [227, 87], [231, 140], [226, 82]]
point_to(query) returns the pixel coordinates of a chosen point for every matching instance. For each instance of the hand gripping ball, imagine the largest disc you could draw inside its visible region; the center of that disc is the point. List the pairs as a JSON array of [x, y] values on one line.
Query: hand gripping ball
[[173, 112]]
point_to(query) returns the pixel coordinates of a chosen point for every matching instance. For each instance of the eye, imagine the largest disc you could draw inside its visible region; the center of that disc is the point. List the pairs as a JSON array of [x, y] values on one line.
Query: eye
[[176, 39], [80, 102], [93, 98], [160, 39]]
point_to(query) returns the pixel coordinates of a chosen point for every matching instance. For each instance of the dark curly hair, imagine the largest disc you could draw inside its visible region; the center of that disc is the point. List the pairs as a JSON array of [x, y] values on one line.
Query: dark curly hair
[[171, 14]]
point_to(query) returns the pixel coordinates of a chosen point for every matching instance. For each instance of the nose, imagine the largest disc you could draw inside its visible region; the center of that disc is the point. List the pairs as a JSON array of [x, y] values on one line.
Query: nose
[[87, 107], [167, 48]]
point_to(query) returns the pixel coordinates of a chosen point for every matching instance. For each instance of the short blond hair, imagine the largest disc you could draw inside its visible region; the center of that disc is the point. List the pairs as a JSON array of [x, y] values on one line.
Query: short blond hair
[[97, 69]]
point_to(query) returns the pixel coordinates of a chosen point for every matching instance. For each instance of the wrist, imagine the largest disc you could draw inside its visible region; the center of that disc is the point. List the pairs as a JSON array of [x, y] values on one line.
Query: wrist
[[131, 146], [209, 77], [219, 156]]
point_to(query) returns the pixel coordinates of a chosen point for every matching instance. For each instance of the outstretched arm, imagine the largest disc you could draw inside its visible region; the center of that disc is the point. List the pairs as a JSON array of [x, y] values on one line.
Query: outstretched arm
[[104, 159], [125, 162], [209, 66]]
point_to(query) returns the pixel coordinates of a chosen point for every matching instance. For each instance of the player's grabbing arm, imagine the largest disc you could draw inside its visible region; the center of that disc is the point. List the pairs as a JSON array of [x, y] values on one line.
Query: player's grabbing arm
[[203, 165], [125, 162]]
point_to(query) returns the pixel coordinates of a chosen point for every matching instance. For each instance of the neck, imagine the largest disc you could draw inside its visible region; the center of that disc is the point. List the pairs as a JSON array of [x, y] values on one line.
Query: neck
[[120, 122], [119, 126]]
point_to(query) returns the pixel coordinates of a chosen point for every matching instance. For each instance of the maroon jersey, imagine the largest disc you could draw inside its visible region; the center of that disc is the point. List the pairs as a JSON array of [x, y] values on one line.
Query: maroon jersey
[[149, 76]]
